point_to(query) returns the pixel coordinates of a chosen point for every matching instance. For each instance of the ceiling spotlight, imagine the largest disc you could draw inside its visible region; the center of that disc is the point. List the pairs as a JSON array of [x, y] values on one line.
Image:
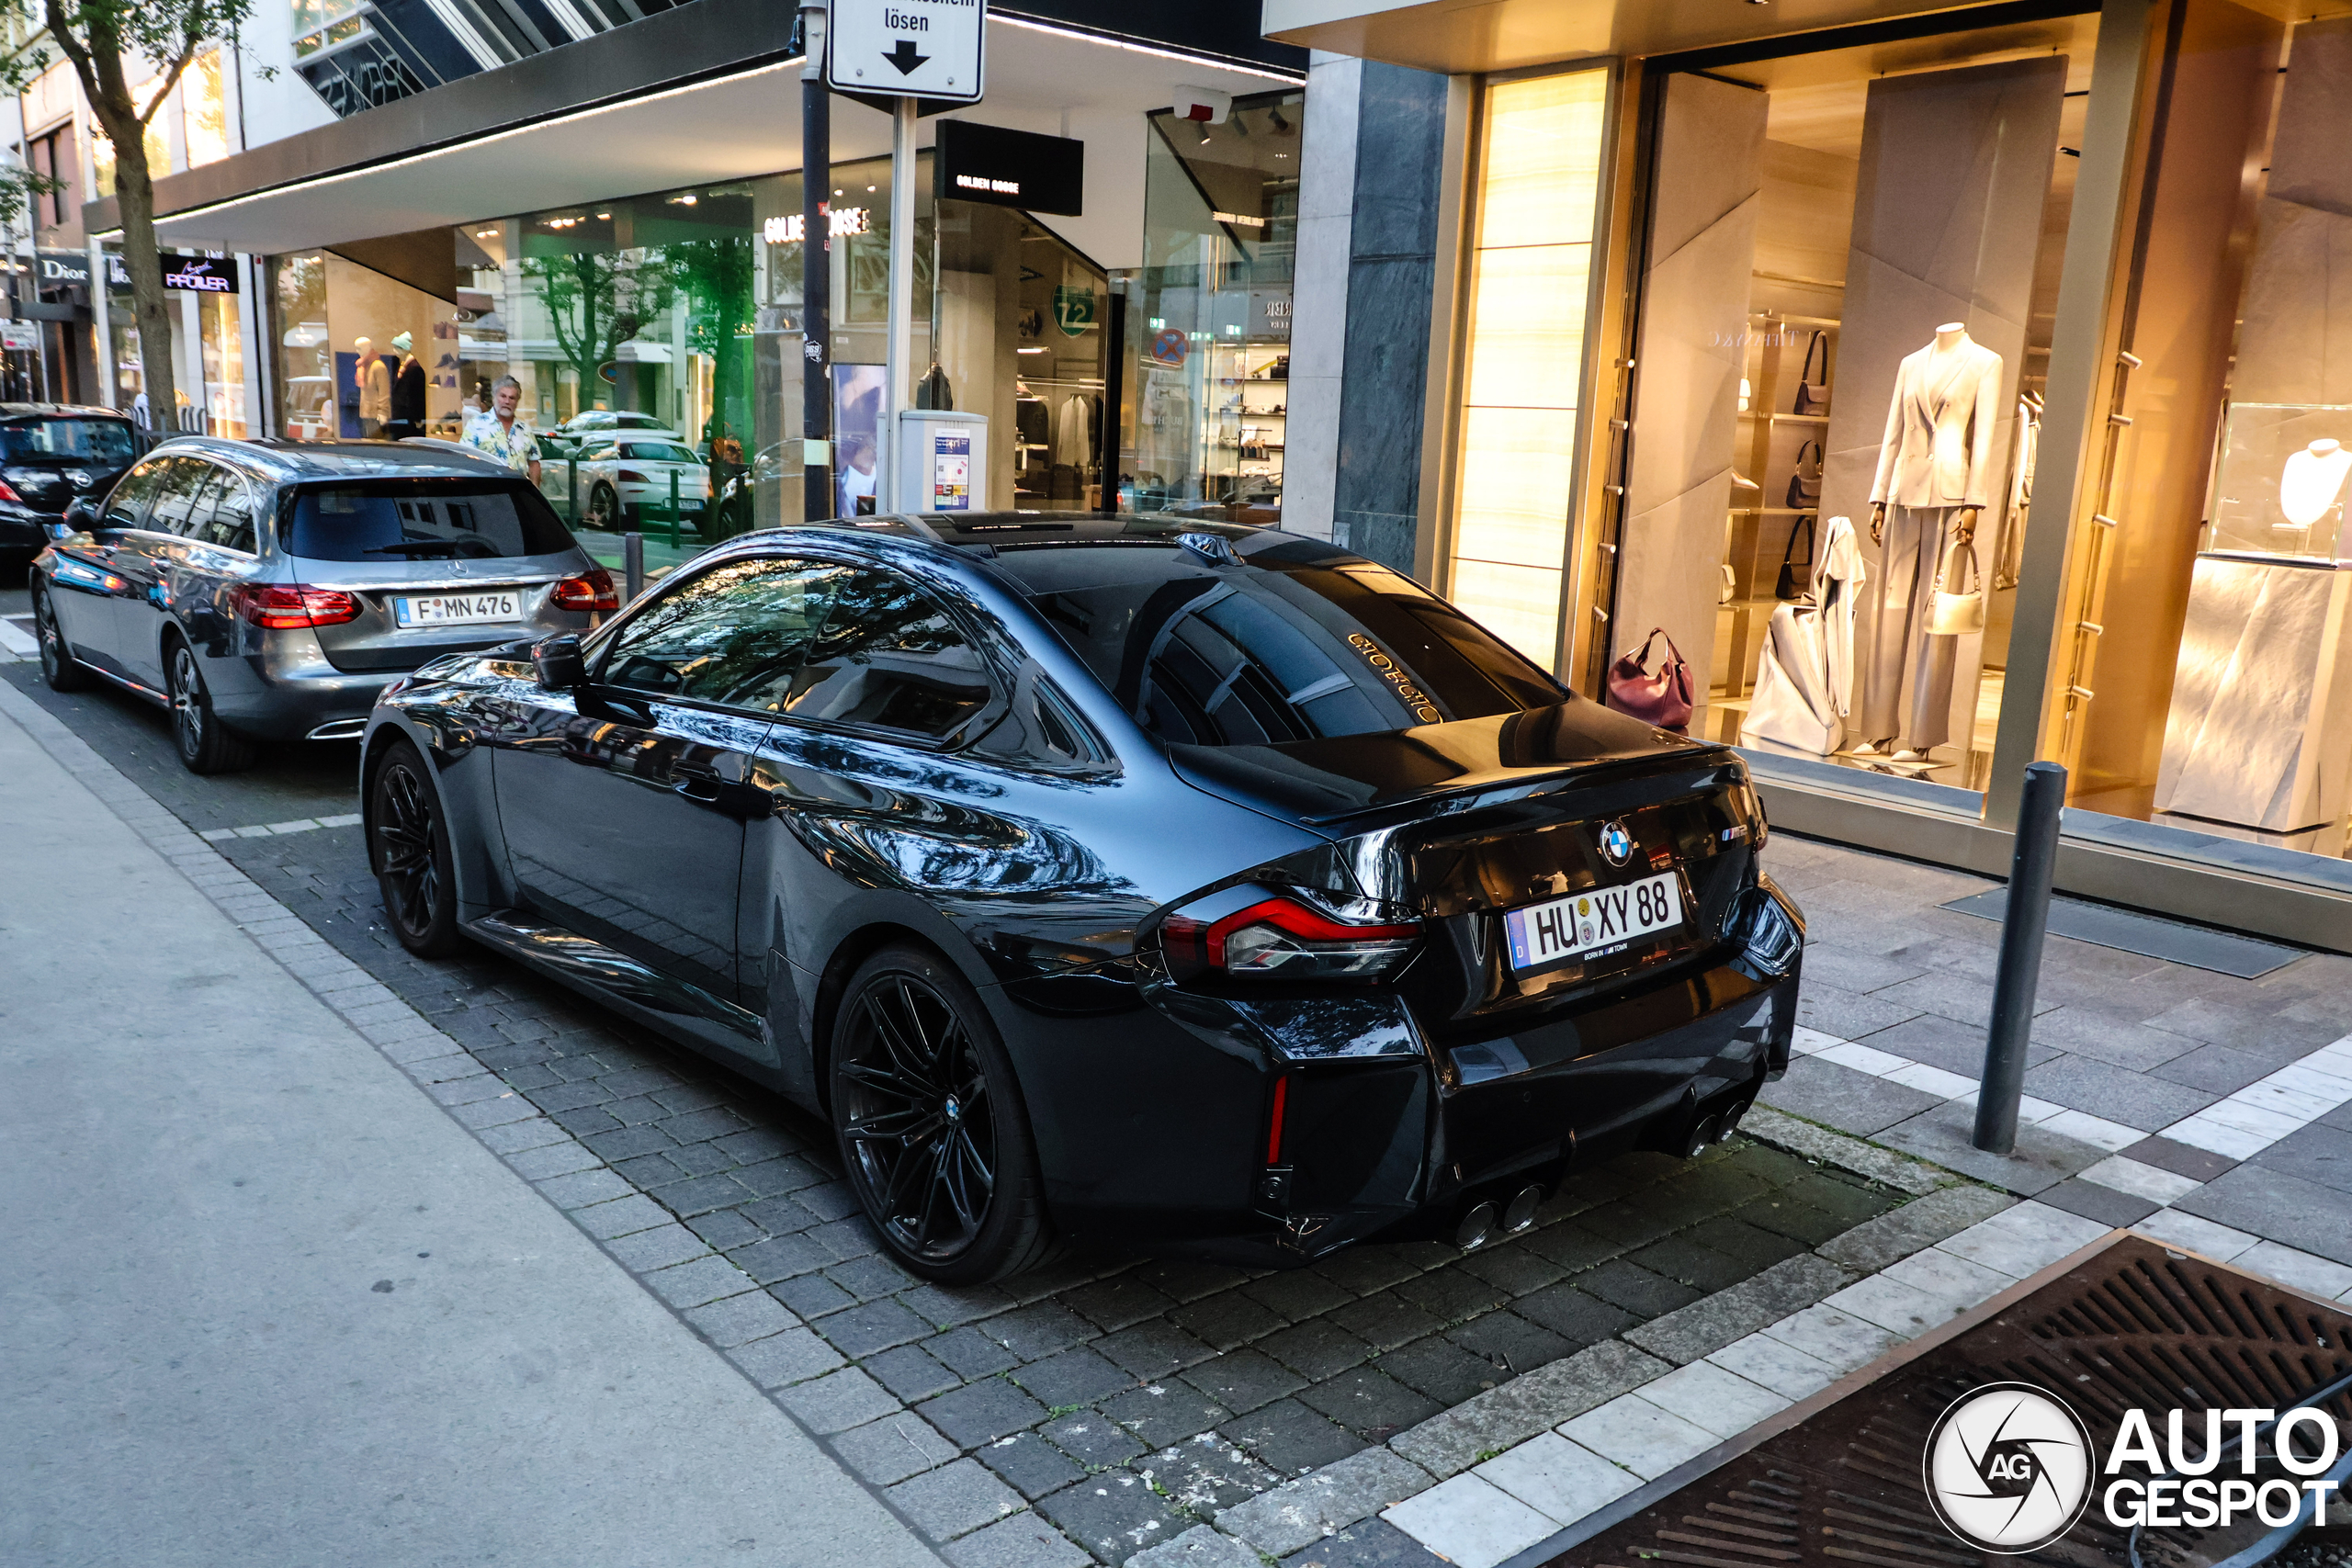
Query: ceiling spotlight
[[1275, 117]]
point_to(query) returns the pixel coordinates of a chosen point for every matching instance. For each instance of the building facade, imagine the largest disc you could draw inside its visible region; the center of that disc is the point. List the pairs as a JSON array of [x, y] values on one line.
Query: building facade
[[1924, 392], [609, 211]]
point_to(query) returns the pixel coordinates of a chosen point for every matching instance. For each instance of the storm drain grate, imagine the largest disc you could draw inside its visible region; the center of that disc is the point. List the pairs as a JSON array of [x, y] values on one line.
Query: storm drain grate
[[2133, 1327]]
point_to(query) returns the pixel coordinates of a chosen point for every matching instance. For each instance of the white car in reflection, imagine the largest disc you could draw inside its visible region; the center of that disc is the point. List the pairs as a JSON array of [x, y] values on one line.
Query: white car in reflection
[[627, 483]]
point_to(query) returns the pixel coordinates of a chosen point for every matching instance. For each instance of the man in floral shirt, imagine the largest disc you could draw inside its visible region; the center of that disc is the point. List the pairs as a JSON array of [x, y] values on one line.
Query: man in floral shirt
[[498, 434]]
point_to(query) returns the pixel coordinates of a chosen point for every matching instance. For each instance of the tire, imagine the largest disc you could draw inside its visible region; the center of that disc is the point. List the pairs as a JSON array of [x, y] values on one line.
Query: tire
[[408, 849], [205, 744], [956, 1197], [58, 666], [604, 509]]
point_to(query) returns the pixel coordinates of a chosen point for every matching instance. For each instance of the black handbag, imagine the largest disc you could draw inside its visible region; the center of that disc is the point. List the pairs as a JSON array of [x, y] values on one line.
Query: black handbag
[[1791, 584], [1804, 487], [1812, 397]]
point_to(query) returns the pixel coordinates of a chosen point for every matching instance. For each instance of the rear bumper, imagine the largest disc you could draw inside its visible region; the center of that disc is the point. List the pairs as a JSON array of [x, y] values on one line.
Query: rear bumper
[[1156, 1127], [22, 533]]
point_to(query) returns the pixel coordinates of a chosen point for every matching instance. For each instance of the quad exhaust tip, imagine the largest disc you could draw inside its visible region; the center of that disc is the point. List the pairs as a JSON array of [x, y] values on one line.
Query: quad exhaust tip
[[1484, 1222]]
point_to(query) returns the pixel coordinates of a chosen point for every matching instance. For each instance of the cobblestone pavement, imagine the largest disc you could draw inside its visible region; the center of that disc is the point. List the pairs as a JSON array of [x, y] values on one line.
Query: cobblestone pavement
[[1124, 1400]]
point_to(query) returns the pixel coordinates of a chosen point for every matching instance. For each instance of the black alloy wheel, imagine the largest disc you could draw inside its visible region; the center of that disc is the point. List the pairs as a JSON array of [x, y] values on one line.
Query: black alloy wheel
[[205, 745], [930, 1125], [603, 508], [58, 666], [408, 847]]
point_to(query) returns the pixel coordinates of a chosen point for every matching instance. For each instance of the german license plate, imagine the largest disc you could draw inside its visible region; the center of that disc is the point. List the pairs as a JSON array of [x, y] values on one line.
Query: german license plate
[[456, 610], [1595, 922]]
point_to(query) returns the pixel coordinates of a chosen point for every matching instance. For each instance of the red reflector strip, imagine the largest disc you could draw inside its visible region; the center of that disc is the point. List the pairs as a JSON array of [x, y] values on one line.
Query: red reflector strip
[[1274, 1131]]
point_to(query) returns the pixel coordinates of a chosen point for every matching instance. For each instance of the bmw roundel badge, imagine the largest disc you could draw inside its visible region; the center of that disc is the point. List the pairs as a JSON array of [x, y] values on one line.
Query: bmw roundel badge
[[1616, 844]]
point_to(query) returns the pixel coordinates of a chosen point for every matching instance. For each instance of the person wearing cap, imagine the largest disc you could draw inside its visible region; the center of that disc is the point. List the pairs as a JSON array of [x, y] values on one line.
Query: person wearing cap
[[408, 393], [374, 379]]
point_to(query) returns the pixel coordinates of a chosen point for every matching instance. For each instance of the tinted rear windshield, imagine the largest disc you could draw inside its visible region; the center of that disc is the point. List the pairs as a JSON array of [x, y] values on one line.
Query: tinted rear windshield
[[77, 440], [1298, 641], [390, 520]]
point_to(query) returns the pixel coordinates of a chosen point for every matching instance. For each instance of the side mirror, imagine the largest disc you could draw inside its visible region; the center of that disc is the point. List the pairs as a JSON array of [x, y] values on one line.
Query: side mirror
[[80, 518], [559, 662]]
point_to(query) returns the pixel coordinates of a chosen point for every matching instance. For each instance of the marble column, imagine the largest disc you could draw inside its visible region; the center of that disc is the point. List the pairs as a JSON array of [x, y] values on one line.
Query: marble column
[[1319, 324]]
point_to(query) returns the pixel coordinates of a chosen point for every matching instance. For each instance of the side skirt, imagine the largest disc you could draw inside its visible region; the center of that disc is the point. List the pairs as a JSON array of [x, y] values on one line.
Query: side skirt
[[685, 1012]]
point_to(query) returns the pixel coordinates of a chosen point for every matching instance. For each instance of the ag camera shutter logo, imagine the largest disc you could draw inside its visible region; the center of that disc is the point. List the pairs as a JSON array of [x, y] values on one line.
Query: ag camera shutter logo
[[2009, 1467]]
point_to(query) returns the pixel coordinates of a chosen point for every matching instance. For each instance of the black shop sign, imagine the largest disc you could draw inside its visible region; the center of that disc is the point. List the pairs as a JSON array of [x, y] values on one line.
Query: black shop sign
[[1009, 168]]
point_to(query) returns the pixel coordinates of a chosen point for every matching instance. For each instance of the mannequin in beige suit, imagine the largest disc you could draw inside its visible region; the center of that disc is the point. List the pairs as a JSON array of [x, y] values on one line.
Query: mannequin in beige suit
[[1933, 469]]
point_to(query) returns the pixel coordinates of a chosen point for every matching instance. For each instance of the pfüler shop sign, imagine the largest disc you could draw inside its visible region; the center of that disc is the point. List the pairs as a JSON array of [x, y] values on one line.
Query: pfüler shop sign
[[199, 274]]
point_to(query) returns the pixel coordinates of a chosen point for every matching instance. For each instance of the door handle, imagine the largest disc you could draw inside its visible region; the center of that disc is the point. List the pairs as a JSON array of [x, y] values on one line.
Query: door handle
[[701, 789]]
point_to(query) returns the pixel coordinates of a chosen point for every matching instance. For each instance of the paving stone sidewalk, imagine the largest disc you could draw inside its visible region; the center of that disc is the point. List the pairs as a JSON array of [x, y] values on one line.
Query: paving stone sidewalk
[[2151, 1085]]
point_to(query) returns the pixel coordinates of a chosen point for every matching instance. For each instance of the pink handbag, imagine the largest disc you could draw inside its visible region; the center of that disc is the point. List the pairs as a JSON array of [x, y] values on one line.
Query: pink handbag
[[1660, 696]]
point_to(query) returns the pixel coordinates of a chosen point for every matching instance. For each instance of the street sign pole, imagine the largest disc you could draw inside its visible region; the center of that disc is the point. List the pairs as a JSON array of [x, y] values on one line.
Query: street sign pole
[[902, 297], [816, 274], [905, 52]]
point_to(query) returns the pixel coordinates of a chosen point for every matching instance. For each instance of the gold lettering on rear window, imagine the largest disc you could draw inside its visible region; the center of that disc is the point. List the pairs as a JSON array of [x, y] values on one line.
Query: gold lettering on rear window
[[1412, 697]]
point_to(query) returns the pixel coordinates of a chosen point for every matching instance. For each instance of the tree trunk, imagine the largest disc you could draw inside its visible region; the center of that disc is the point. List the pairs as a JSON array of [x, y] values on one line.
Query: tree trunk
[[134, 189]]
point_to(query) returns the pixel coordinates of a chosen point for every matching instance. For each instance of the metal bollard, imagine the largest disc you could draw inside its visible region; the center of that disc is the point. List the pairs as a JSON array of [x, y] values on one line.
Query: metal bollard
[[571, 488], [633, 566], [2024, 924], [673, 509]]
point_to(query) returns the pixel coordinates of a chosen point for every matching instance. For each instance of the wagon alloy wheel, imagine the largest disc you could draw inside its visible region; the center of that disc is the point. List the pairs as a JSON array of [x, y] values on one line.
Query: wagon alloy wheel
[[918, 1124], [409, 842], [188, 702], [205, 745], [931, 1123]]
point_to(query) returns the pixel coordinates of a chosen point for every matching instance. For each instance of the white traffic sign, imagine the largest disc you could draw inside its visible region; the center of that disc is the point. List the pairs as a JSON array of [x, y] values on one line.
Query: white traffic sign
[[19, 337], [913, 49]]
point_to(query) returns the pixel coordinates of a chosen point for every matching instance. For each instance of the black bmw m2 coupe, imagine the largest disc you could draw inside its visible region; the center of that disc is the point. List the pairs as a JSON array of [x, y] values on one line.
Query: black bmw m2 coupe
[[1115, 881]]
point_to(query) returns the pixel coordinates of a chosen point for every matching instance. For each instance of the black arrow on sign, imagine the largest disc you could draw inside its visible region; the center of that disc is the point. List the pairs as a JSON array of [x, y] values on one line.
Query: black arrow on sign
[[905, 58]]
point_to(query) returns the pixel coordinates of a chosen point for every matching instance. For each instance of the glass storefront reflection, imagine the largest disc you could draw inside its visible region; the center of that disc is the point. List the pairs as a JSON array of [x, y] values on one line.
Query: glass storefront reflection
[[676, 318]]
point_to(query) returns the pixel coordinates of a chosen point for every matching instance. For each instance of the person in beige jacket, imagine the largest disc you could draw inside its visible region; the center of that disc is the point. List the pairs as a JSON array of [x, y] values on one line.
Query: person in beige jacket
[[375, 381], [1934, 474]]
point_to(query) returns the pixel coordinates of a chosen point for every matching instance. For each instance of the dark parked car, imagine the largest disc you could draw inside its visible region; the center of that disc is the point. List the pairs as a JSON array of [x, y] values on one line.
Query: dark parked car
[[268, 591], [1212, 889], [52, 455]]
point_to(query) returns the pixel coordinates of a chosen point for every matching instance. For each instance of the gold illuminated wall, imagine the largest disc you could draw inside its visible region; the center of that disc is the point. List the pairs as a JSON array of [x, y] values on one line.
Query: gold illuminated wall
[[1523, 355]]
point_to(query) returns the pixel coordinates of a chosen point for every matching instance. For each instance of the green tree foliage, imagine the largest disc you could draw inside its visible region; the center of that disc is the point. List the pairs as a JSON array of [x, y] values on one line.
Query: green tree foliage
[[105, 40]]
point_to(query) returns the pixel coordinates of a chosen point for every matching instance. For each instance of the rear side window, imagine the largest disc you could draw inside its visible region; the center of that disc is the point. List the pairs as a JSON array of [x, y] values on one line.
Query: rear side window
[[657, 452], [1269, 649], [183, 496], [390, 520]]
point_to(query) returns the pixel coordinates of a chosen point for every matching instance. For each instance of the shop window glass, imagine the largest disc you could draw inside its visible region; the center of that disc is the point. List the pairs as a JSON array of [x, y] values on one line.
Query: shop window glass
[[305, 366], [2201, 678], [1523, 354], [1848, 296], [1208, 314]]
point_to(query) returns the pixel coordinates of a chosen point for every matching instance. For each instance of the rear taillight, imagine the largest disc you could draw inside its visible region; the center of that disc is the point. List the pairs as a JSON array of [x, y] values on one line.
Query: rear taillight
[[281, 606], [9, 494], [592, 590], [631, 476], [1287, 939]]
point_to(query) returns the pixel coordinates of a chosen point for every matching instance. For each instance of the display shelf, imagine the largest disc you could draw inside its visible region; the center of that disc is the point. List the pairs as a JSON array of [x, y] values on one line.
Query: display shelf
[[1821, 419], [1798, 279], [1823, 322]]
